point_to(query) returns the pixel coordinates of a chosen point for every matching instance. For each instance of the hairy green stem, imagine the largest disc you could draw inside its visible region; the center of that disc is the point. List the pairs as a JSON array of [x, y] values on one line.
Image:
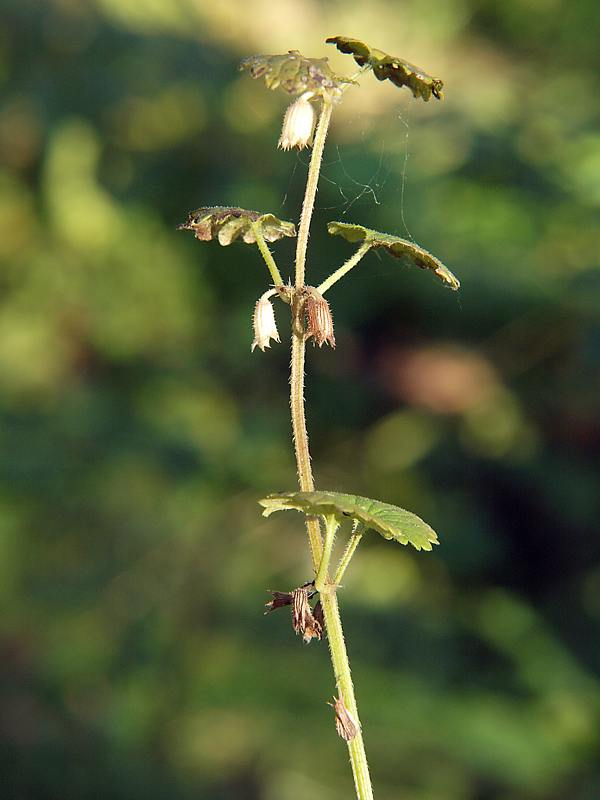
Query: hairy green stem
[[266, 254], [339, 656], [353, 543], [305, 476], [311, 189], [343, 679], [346, 267]]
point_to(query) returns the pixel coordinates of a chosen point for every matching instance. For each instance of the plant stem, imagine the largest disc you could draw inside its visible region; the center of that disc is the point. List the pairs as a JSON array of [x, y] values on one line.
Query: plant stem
[[346, 267], [343, 678], [353, 542], [300, 435], [339, 656], [311, 189], [266, 254]]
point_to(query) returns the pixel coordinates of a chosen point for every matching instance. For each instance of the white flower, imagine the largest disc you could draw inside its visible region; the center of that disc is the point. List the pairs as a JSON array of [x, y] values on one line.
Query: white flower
[[265, 328], [298, 124]]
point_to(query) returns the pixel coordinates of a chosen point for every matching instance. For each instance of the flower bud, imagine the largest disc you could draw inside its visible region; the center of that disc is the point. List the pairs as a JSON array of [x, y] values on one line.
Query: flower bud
[[263, 321], [319, 322], [298, 124]]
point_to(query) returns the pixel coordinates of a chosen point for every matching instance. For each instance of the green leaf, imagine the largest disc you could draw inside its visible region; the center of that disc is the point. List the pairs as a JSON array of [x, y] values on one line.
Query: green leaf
[[392, 522], [296, 74], [397, 247], [228, 223], [391, 68]]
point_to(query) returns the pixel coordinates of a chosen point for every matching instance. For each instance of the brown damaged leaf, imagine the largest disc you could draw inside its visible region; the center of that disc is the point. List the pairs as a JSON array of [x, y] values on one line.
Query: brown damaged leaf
[[296, 74], [391, 68], [397, 247], [228, 223]]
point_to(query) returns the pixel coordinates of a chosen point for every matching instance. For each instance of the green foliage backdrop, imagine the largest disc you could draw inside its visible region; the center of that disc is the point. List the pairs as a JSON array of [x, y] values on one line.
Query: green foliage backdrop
[[138, 431]]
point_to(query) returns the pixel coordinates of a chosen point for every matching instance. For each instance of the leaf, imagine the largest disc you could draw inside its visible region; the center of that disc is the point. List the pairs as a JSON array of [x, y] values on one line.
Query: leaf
[[392, 68], [392, 522], [397, 247], [228, 223], [296, 74]]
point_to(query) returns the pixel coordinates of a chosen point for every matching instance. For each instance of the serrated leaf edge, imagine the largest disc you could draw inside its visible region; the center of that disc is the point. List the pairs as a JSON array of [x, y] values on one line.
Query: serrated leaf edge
[[289, 501]]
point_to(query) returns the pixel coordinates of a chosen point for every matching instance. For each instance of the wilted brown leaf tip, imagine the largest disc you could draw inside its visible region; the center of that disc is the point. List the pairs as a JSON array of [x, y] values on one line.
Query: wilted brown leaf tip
[[392, 68]]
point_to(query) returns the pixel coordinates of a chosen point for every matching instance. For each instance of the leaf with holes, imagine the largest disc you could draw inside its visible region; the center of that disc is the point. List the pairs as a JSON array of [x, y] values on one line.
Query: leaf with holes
[[397, 247], [296, 74], [228, 223], [391, 68], [391, 522]]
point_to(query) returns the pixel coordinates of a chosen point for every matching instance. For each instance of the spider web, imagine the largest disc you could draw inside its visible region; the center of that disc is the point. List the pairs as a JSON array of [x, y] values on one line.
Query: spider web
[[346, 179], [341, 180], [352, 190], [342, 175]]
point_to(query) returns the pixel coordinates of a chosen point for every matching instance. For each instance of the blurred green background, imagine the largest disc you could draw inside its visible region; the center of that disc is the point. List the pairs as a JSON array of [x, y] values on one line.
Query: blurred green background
[[138, 430]]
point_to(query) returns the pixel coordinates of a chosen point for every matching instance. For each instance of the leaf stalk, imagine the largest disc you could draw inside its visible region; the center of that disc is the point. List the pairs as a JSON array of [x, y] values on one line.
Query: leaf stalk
[[345, 268], [331, 526], [266, 254], [353, 543]]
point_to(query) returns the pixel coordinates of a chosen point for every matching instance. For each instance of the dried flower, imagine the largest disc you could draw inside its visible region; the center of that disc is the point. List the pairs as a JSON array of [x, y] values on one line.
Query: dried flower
[[318, 614], [298, 124], [302, 617], [312, 629], [303, 621], [263, 321], [345, 724], [319, 322]]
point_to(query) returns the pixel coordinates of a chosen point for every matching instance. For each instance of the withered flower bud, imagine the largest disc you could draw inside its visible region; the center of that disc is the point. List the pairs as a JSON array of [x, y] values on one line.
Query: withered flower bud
[[318, 614], [303, 621], [312, 629], [319, 322], [345, 724], [263, 321], [302, 617], [298, 124]]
